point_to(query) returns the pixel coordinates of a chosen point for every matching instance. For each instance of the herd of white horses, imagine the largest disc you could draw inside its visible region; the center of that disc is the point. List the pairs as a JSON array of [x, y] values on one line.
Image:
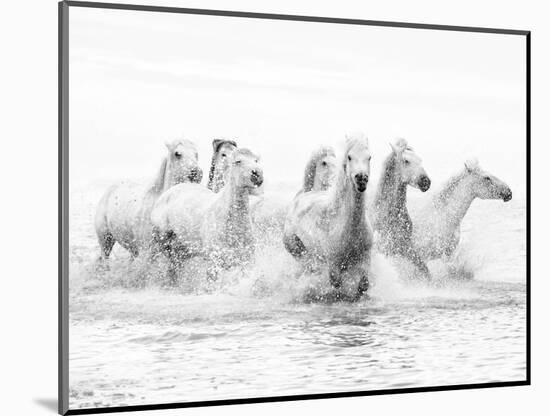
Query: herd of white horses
[[329, 225]]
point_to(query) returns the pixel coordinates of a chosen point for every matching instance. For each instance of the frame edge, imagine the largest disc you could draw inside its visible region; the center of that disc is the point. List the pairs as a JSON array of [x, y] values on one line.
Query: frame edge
[[63, 219], [63, 207]]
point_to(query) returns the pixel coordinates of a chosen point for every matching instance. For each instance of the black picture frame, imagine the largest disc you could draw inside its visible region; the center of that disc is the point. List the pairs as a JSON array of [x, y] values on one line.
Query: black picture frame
[[63, 203]]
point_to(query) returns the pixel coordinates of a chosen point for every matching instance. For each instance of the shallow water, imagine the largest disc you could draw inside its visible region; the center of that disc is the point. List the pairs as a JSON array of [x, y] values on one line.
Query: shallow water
[[135, 341]]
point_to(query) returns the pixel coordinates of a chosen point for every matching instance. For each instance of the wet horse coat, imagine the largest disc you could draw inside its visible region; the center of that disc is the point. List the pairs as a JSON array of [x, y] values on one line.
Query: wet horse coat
[[330, 227], [222, 151], [437, 223], [191, 220], [391, 220], [123, 213]]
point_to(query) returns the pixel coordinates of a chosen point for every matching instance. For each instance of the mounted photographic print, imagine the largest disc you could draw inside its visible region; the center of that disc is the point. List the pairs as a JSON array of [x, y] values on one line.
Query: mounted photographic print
[[261, 207]]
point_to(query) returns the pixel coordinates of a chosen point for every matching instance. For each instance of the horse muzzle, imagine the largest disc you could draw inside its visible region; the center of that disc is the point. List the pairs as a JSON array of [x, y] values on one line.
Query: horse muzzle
[[361, 181], [424, 183], [257, 178], [507, 195], [195, 175]]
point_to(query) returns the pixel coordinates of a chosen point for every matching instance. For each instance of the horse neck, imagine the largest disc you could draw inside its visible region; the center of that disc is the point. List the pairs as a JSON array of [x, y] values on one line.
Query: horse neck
[[391, 195], [458, 200], [215, 177], [234, 203], [317, 183], [347, 202]]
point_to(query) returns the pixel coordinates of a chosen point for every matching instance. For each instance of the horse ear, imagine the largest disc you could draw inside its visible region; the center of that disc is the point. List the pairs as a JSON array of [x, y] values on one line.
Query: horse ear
[[399, 145], [471, 165], [168, 146], [216, 143]]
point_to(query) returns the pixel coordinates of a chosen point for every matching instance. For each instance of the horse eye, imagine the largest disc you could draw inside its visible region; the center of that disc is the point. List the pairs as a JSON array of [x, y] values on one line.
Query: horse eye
[[349, 158], [224, 155], [407, 162], [177, 154], [487, 178], [323, 163], [238, 162]]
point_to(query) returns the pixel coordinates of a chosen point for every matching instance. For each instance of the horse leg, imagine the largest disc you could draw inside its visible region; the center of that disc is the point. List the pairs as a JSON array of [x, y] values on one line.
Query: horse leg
[[106, 243], [214, 265], [363, 285], [212, 271], [164, 242], [420, 265], [173, 263], [335, 276], [134, 251]]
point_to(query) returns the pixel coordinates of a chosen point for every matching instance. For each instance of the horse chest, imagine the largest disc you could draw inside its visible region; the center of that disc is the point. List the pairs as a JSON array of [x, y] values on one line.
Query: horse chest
[[350, 245]]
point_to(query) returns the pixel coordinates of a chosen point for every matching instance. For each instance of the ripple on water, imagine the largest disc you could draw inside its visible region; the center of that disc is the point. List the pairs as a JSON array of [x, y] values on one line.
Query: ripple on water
[[135, 340]]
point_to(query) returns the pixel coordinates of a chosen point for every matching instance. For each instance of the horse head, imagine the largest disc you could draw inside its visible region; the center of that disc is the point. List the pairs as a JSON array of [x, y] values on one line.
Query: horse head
[[356, 161], [222, 152], [408, 166], [319, 172], [182, 162], [486, 185], [245, 171]]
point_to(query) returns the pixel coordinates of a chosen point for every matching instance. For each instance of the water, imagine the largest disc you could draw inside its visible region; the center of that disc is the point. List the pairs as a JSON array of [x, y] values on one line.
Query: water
[[135, 341]]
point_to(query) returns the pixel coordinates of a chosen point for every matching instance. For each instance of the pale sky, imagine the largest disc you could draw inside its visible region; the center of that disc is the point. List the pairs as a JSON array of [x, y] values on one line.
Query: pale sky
[[283, 88]]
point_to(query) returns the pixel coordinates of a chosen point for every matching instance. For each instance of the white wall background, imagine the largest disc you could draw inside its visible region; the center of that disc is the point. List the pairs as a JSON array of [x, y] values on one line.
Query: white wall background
[[29, 210], [283, 88]]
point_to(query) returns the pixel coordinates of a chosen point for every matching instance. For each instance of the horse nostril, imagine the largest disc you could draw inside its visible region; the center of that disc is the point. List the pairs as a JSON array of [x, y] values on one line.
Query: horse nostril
[[361, 177], [256, 177], [425, 183], [507, 195], [361, 180]]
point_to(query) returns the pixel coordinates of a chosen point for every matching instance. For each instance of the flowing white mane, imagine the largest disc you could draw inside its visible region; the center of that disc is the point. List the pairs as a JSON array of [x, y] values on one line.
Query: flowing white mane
[[162, 176], [311, 167]]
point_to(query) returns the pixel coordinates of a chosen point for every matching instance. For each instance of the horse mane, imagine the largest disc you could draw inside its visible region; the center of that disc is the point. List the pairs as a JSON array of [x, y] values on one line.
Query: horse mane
[[216, 144], [160, 179], [390, 165], [158, 184], [443, 196], [311, 167], [388, 169]]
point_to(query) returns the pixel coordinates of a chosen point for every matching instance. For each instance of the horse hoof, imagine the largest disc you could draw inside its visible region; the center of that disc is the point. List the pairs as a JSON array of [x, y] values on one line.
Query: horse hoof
[[102, 265], [211, 276]]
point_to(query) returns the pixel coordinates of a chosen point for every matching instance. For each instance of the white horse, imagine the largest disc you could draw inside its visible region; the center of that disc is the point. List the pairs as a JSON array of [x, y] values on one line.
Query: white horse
[[191, 220], [222, 151], [390, 217], [123, 213], [330, 227], [320, 170], [269, 211], [437, 224]]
